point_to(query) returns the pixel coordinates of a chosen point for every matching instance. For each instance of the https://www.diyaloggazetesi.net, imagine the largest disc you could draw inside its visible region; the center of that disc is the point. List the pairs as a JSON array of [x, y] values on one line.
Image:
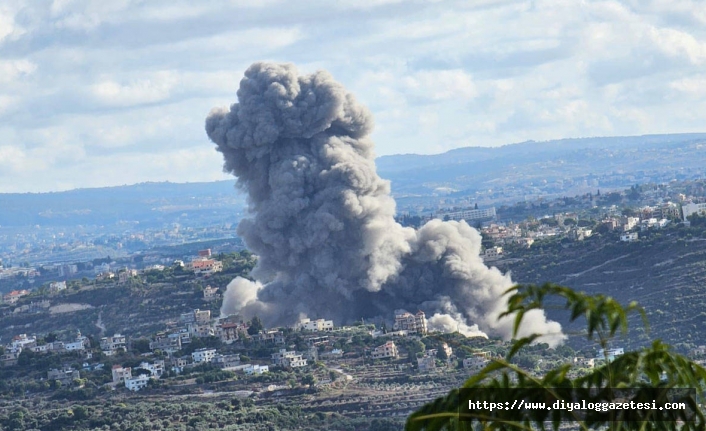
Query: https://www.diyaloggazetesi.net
[[577, 404]]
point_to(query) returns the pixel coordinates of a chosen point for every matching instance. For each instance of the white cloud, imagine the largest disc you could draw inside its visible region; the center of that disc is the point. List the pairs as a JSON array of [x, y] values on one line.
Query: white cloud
[[9, 29], [12, 160], [10, 70], [679, 43], [692, 87], [155, 88], [441, 85], [118, 90]]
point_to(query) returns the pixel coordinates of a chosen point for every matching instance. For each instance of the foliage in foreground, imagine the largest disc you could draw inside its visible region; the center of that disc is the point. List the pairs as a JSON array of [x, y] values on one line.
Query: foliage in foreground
[[656, 366]]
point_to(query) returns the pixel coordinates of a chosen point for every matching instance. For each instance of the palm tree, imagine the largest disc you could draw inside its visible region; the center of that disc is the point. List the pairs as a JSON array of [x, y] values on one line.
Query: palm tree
[[652, 373]]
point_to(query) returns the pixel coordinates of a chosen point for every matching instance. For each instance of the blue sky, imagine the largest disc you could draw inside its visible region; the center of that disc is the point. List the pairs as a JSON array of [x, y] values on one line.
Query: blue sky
[[98, 93]]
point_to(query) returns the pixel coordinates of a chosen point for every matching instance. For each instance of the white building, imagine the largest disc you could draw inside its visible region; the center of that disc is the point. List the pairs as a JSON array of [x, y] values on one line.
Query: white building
[[426, 363], [80, 344], [210, 293], [447, 349], [690, 209], [630, 222], [136, 383], [610, 354], [412, 323], [22, 341], [110, 345], [387, 350], [629, 237], [474, 214], [477, 361], [203, 355], [256, 369], [316, 325], [226, 361], [57, 286], [156, 369], [291, 359]]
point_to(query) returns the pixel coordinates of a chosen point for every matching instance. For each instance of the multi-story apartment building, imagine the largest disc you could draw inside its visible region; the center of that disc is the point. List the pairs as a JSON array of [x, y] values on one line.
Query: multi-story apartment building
[[203, 355], [412, 323], [316, 325], [291, 359], [387, 350]]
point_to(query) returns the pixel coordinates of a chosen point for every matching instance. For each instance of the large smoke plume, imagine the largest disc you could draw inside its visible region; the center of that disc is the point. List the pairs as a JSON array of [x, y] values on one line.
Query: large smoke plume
[[322, 220]]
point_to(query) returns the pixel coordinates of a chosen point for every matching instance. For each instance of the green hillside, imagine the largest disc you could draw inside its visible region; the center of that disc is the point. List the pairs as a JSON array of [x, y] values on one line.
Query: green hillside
[[665, 272]]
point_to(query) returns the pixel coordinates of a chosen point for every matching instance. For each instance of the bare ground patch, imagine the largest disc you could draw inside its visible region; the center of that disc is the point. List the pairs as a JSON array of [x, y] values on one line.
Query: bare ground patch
[[68, 308]]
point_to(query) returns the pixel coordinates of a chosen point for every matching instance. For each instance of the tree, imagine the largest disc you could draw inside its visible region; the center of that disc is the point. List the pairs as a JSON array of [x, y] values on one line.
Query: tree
[[141, 345], [309, 380], [645, 370], [414, 347], [255, 326], [569, 222], [80, 412]]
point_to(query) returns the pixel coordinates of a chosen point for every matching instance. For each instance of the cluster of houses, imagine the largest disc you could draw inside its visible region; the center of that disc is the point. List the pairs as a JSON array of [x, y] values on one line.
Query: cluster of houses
[[17, 272], [526, 233], [199, 324], [23, 342], [203, 265], [428, 360], [81, 344]]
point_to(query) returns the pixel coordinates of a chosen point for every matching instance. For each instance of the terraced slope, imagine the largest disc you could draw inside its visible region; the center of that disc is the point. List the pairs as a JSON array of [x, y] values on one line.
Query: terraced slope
[[665, 273]]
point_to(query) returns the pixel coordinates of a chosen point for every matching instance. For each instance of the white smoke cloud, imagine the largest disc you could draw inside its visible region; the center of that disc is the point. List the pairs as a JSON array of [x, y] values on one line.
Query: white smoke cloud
[[448, 324], [241, 293], [323, 222]]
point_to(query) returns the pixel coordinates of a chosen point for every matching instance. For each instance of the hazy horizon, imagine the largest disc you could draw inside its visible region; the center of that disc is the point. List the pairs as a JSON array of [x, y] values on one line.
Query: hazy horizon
[[229, 178]]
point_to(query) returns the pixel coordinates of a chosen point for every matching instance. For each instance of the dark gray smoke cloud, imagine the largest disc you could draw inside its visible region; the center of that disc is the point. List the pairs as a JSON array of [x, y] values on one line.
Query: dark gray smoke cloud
[[322, 221]]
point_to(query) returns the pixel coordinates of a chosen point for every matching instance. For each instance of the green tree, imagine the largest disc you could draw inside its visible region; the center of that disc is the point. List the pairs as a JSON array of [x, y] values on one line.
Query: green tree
[[309, 379], [656, 366], [414, 347], [141, 345], [80, 412], [255, 326], [441, 354]]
